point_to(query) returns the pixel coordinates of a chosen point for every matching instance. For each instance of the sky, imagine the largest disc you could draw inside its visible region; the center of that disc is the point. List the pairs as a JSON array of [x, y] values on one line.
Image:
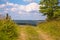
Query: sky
[[21, 9]]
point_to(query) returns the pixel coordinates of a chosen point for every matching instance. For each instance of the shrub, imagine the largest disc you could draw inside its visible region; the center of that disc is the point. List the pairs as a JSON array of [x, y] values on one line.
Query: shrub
[[8, 30]]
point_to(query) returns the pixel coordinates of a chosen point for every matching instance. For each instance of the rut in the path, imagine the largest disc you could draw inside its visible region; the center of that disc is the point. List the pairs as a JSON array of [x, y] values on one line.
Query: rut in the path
[[44, 36], [22, 34]]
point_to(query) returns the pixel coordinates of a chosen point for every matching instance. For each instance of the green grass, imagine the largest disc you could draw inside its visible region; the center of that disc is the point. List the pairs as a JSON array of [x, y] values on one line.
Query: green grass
[[8, 30], [32, 34], [52, 28]]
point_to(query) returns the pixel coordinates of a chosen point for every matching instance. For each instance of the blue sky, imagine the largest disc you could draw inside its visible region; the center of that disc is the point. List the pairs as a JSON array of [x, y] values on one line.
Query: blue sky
[[21, 9], [19, 1]]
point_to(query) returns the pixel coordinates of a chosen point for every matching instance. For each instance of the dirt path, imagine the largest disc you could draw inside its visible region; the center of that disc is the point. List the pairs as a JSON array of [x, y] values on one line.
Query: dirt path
[[22, 34], [44, 36]]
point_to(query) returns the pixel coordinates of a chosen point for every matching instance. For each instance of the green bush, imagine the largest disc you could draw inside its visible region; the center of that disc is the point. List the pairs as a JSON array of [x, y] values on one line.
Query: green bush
[[8, 30]]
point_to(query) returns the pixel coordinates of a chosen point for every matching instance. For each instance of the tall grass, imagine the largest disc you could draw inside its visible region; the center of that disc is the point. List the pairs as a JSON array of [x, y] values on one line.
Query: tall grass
[[32, 34], [8, 30], [52, 28]]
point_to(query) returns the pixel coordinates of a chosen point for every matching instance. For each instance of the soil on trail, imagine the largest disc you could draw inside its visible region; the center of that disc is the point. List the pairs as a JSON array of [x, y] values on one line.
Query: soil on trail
[[42, 35], [22, 34]]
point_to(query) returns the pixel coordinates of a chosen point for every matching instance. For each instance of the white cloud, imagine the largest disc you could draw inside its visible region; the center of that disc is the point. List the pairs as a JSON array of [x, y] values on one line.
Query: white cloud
[[28, 0], [32, 7], [0, 13], [15, 7], [2, 5], [9, 4], [6, 9], [22, 7], [22, 10]]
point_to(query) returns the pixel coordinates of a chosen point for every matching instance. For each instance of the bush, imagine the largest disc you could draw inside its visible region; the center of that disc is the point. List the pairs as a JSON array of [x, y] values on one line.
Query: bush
[[8, 30]]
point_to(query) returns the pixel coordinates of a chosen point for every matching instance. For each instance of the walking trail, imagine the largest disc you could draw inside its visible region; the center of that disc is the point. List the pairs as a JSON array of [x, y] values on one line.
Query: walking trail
[[22, 34], [41, 34], [44, 36]]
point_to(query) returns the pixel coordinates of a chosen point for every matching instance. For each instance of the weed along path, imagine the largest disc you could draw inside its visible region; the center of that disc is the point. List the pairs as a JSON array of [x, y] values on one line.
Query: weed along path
[[32, 33]]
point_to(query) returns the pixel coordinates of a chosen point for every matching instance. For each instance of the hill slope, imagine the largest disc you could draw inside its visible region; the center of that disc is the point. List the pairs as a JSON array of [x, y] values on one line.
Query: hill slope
[[52, 28]]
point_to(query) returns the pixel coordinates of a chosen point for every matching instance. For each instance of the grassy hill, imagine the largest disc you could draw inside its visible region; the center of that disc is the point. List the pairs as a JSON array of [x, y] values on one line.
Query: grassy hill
[[52, 28], [49, 30], [44, 31], [8, 30]]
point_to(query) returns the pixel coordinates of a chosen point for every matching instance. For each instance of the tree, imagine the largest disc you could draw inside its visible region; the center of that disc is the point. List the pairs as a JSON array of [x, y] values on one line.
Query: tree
[[51, 8], [7, 16]]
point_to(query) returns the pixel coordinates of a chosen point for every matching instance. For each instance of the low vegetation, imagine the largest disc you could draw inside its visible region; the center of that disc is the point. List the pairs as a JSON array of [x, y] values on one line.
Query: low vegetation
[[32, 33], [11, 31], [8, 30], [28, 32], [52, 28]]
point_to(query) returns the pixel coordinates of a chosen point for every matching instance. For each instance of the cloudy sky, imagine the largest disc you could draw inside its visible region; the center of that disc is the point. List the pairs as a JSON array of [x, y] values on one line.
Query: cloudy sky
[[21, 9]]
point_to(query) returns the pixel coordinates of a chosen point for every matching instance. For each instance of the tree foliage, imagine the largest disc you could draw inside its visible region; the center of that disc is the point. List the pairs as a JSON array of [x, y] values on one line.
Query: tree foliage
[[51, 8]]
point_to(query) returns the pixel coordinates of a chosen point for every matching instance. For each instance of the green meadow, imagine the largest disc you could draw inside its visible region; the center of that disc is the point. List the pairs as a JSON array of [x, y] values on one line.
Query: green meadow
[[48, 30], [43, 31]]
